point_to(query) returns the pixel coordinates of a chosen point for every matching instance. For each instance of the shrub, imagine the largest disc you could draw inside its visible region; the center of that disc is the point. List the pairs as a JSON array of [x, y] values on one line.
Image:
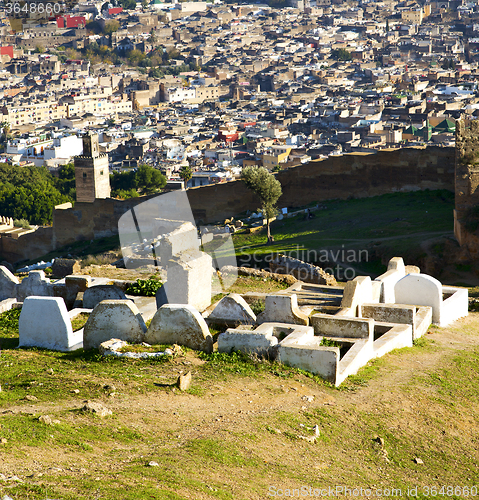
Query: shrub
[[22, 223], [147, 287]]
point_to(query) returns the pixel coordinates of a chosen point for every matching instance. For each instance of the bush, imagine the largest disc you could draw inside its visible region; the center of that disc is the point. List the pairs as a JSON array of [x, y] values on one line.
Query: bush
[[148, 287], [22, 223]]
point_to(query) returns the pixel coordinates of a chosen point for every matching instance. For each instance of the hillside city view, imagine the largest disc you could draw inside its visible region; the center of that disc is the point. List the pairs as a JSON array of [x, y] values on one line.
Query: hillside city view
[[239, 249]]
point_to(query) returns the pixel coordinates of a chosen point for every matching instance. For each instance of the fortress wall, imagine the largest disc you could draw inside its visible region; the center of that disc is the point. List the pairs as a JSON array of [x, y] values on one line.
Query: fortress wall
[[28, 246], [354, 175]]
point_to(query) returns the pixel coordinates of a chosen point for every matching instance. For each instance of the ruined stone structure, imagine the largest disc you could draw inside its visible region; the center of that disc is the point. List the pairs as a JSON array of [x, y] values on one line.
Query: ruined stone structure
[[350, 175], [92, 177], [466, 213]]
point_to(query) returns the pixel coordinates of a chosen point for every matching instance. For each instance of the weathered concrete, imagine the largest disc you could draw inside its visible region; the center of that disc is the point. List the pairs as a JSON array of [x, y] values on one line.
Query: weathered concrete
[[395, 336], [119, 319], [8, 284], [301, 349], [396, 271], [338, 326], [356, 292], [232, 310], [96, 294], [421, 290], [7, 304], [45, 322], [260, 341], [282, 309], [419, 317], [182, 239], [303, 271], [35, 284], [65, 267], [180, 324], [70, 288], [189, 279]]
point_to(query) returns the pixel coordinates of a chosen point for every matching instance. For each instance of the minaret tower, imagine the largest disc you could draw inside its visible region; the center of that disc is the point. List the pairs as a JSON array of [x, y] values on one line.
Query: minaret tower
[[92, 178]]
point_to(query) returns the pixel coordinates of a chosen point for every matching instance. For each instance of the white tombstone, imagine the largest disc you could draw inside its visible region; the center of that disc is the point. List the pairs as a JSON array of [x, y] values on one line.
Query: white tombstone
[[396, 271], [233, 309], [261, 341], [8, 284], [189, 279], [119, 319], [282, 309], [179, 324], [98, 293], [35, 284], [420, 290], [45, 322], [356, 292]]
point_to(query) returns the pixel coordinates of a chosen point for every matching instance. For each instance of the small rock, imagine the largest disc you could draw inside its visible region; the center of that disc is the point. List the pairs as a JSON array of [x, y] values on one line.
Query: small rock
[[184, 381], [45, 419], [50, 371], [76, 391], [56, 422], [31, 398], [418, 461], [153, 464], [109, 388], [379, 440], [145, 344], [309, 439], [96, 408], [3, 441], [316, 430], [309, 399]]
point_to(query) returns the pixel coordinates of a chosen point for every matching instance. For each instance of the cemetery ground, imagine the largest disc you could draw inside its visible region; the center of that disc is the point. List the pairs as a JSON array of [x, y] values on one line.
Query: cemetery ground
[[245, 429], [414, 225]]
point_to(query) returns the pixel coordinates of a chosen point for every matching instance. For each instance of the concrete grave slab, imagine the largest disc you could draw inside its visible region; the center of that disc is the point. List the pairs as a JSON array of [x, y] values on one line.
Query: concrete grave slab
[[396, 271], [35, 284], [447, 303], [45, 322], [97, 293], [8, 284], [419, 317], [338, 326], [180, 324], [189, 279], [356, 292], [69, 287], [282, 309], [390, 336], [113, 319], [7, 304], [263, 340], [302, 349], [232, 310]]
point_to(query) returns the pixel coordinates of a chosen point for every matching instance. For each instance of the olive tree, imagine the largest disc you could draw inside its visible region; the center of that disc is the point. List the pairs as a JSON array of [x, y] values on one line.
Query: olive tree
[[267, 188]]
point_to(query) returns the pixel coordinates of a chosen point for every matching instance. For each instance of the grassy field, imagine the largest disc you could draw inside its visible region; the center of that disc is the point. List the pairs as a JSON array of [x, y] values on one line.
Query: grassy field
[[393, 224], [241, 431]]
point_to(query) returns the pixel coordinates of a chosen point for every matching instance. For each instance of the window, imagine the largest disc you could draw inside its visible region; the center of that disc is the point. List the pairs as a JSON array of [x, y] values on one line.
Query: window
[[101, 172], [84, 175]]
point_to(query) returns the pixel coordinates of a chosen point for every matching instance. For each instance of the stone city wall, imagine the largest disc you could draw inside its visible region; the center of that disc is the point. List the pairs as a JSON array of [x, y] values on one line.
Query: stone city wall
[[351, 175]]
